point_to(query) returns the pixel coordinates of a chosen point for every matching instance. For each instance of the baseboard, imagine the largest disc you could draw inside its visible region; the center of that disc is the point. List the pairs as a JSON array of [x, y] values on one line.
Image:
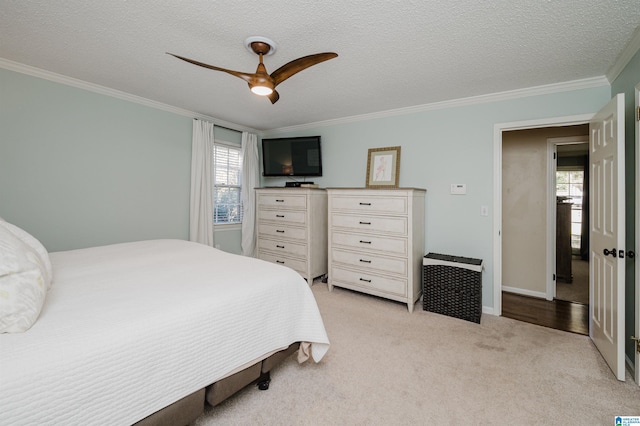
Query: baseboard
[[488, 310], [630, 365], [523, 292]]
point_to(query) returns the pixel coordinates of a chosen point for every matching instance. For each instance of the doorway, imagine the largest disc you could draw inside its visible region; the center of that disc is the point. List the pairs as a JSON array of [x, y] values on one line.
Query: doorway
[[571, 196], [607, 231], [543, 274]]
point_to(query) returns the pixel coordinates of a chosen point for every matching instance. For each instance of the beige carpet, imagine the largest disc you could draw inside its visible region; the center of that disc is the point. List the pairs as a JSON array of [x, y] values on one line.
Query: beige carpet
[[388, 367]]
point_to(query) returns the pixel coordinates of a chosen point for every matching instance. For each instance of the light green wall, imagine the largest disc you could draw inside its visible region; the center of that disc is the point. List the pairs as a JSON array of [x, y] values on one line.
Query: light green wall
[[441, 147], [80, 169], [625, 83], [228, 239], [227, 135]]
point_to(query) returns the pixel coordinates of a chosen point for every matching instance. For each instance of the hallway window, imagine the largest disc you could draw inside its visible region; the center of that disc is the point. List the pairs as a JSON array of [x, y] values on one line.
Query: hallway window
[[569, 186]]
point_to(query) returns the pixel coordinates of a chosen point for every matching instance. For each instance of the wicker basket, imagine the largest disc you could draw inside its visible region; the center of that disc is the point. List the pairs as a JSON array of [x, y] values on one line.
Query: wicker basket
[[452, 286]]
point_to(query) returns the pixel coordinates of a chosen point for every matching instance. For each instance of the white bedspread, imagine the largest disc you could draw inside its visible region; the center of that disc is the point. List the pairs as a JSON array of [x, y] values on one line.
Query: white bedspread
[[130, 328]]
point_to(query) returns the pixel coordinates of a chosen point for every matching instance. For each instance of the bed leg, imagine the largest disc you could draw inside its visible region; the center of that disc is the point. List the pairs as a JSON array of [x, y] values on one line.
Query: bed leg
[[264, 380]]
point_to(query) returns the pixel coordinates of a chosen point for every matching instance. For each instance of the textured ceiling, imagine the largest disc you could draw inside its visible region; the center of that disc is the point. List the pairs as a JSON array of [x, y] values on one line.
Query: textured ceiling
[[392, 54]]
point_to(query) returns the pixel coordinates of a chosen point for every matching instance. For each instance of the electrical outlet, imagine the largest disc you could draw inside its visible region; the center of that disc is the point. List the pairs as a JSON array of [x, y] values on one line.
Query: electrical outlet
[[484, 211]]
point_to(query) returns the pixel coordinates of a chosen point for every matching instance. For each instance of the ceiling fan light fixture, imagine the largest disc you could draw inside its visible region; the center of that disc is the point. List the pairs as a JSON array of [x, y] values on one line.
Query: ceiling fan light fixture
[[262, 90]]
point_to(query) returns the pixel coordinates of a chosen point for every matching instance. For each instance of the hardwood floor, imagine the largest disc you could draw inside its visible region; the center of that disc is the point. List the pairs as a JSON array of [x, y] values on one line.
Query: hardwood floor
[[558, 314]]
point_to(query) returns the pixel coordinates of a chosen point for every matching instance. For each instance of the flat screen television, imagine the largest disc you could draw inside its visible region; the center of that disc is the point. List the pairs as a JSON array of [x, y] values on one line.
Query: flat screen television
[[299, 156]]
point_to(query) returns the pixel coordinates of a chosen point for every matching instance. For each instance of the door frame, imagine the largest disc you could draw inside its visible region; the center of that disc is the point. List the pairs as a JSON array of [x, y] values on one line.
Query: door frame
[[552, 167], [636, 117], [498, 129]]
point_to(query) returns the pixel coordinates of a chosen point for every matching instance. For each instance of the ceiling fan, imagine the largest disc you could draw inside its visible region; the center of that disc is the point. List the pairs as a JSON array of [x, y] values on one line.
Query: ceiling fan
[[261, 83]]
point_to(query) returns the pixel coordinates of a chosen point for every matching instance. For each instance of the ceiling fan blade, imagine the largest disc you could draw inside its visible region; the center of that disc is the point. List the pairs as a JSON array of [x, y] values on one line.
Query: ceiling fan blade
[[274, 96], [243, 75], [300, 64]]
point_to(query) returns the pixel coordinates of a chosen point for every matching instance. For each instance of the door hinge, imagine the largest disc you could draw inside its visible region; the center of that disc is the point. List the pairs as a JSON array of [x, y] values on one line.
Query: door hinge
[[554, 277], [638, 114], [637, 343]]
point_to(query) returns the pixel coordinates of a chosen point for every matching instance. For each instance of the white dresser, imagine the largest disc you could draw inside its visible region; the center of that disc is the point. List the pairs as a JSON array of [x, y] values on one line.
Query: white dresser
[[292, 229], [376, 241]]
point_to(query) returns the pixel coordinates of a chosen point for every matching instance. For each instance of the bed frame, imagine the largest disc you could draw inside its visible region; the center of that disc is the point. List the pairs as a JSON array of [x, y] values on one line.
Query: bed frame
[[189, 408]]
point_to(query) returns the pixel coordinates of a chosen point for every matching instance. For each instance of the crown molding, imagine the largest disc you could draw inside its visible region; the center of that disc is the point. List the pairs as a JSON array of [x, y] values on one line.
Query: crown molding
[[631, 48], [586, 83], [493, 97], [80, 84]]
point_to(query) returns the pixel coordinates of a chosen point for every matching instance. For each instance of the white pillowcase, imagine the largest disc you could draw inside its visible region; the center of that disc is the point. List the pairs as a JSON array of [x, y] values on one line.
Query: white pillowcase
[[25, 277], [36, 245]]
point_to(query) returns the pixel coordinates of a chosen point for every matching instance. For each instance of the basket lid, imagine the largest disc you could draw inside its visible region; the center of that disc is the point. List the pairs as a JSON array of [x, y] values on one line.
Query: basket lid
[[458, 259]]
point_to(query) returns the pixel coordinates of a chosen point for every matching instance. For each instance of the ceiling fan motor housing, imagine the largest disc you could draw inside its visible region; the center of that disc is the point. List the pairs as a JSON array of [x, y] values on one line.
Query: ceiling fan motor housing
[[259, 44]]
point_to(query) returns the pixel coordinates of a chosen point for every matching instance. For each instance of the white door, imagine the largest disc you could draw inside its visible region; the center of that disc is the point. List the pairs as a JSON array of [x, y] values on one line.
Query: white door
[[637, 283], [606, 279]]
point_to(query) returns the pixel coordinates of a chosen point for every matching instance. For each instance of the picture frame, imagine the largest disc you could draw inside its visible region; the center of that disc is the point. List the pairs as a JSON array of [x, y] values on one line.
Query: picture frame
[[383, 167]]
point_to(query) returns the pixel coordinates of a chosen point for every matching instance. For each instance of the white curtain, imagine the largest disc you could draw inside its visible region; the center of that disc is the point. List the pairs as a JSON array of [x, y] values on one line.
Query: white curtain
[[201, 204], [250, 181]]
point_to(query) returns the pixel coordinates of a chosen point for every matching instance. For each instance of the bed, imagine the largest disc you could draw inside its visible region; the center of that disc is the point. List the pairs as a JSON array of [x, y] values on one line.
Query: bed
[[132, 329]]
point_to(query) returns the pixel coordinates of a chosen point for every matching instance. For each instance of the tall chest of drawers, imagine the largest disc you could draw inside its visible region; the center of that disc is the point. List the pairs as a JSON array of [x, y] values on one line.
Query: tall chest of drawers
[[376, 241], [292, 229]]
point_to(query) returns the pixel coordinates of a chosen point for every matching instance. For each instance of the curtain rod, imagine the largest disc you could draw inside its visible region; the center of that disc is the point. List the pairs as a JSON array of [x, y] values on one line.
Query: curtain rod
[[222, 127]]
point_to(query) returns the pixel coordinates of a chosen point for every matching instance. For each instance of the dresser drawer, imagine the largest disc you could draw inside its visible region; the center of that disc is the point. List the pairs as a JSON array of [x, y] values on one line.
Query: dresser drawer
[[370, 204], [284, 247], [282, 216], [391, 265], [296, 264], [375, 224], [369, 281], [395, 246], [282, 231], [287, 201]]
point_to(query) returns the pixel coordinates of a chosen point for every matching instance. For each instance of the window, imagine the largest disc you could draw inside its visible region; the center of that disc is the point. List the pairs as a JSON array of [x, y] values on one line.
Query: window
[[227, 170], [569, 185]]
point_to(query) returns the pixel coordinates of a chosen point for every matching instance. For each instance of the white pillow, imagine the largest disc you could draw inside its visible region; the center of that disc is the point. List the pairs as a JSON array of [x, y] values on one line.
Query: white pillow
[[22, 284], [36, 245]]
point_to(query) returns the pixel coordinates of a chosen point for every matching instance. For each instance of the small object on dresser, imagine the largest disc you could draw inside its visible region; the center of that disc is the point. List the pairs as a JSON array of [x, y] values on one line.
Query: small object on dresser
[[452, 285]]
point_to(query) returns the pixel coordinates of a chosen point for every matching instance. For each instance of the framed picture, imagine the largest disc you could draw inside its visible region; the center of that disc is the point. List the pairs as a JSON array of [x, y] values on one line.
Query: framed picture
[[383, 167]]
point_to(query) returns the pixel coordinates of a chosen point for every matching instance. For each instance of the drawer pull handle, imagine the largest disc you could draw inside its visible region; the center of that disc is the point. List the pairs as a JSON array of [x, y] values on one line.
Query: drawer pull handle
[[365, 204], [280, 261], [279, 215], [365, 223], [280, 231], [279, 201], [365, 261], [365, 242], [366, 281], [279, 246]]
